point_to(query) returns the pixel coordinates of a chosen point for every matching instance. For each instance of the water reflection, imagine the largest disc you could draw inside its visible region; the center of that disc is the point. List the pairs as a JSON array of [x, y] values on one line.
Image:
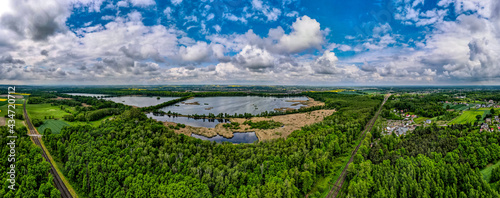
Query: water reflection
[[141, 101], [208, 123], [247, 137], [236, 104]]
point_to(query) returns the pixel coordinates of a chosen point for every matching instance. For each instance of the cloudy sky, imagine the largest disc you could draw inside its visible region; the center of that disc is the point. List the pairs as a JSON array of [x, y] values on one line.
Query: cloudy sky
[[284, 42]]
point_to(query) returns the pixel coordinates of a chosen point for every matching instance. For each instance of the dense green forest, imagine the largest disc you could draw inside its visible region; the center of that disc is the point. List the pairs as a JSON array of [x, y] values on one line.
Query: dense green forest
[[429, 162], [32, 171], [133, 156]]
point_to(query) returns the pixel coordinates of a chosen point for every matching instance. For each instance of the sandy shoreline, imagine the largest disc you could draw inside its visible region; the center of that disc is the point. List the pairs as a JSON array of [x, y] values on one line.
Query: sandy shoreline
[[291, 123]]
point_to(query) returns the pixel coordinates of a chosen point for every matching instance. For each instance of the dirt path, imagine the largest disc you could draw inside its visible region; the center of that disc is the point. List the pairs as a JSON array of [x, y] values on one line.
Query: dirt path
[[340, 181], [2, 121], [291, 122]]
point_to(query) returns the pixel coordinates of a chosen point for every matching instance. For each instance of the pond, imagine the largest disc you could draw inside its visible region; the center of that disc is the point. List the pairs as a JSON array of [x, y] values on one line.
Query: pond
[[232, 105], [208, 123], [86, 94], [247, 137], [140, 101]]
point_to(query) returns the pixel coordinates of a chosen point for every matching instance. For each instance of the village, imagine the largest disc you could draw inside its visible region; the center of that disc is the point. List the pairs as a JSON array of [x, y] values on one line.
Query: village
[[410, 121]]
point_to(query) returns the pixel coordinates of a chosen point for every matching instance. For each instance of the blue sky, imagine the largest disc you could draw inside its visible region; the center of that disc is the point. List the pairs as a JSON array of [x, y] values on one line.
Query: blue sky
[[286, 42]]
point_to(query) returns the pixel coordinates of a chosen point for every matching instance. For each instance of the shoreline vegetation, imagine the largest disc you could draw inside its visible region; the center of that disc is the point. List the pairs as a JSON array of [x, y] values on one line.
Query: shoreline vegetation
[[291, 122]]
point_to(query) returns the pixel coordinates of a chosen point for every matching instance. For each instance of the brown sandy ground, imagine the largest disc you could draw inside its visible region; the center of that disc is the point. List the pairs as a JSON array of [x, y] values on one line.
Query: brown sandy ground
[[2, 121], [291, 123]]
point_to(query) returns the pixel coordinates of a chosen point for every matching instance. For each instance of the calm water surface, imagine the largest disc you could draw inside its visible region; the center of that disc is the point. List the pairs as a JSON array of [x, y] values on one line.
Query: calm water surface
[[247, 137], [140, 101], [208, 123], [232, 105]]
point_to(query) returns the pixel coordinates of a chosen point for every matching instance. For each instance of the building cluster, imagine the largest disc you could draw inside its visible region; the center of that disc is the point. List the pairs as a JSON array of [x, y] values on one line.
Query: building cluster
[[490, 125], [400, 127]]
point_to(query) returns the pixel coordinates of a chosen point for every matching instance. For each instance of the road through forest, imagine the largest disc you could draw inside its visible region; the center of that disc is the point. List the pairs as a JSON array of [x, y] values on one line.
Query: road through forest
[[340, 181], [35, 136]]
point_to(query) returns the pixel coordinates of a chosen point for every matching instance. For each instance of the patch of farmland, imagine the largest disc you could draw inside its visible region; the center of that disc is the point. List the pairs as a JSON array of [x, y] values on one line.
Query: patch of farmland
[[54, 125]]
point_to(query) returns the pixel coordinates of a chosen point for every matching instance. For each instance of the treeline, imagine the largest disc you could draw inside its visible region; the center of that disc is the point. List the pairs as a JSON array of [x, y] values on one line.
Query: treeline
[[32, 171], [92, 115], [133, 156], [429, 162], [165, 104]]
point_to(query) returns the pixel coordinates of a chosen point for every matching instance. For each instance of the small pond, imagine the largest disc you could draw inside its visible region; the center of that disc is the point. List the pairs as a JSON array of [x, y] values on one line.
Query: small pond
[[247, 137]]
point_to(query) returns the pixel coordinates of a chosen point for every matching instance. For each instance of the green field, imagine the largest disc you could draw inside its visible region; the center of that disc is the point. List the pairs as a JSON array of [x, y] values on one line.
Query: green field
[[54, 125], [486, 172], [40, 111], [43, 111], [457, 107], [469, 116]]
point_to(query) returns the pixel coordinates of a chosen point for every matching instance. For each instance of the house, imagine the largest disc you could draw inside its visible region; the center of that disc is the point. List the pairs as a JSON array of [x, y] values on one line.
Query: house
[[428, 121], [484, 127], [488, 120], [401, 131]]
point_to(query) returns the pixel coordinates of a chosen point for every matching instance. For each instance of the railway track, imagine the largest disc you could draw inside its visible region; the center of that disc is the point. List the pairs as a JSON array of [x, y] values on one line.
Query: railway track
[[340, 181], [36, 139]]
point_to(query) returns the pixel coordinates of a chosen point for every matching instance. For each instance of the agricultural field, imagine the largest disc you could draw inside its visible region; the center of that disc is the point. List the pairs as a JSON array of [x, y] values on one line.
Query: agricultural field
[[54, 125], [469, 116], [458, 107], [48, 112], [43, 111]]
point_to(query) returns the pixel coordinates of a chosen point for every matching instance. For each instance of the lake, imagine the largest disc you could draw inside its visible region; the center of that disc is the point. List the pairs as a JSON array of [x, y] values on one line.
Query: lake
[[140, 101], [247, 137], [208, 123], [232, 105]]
